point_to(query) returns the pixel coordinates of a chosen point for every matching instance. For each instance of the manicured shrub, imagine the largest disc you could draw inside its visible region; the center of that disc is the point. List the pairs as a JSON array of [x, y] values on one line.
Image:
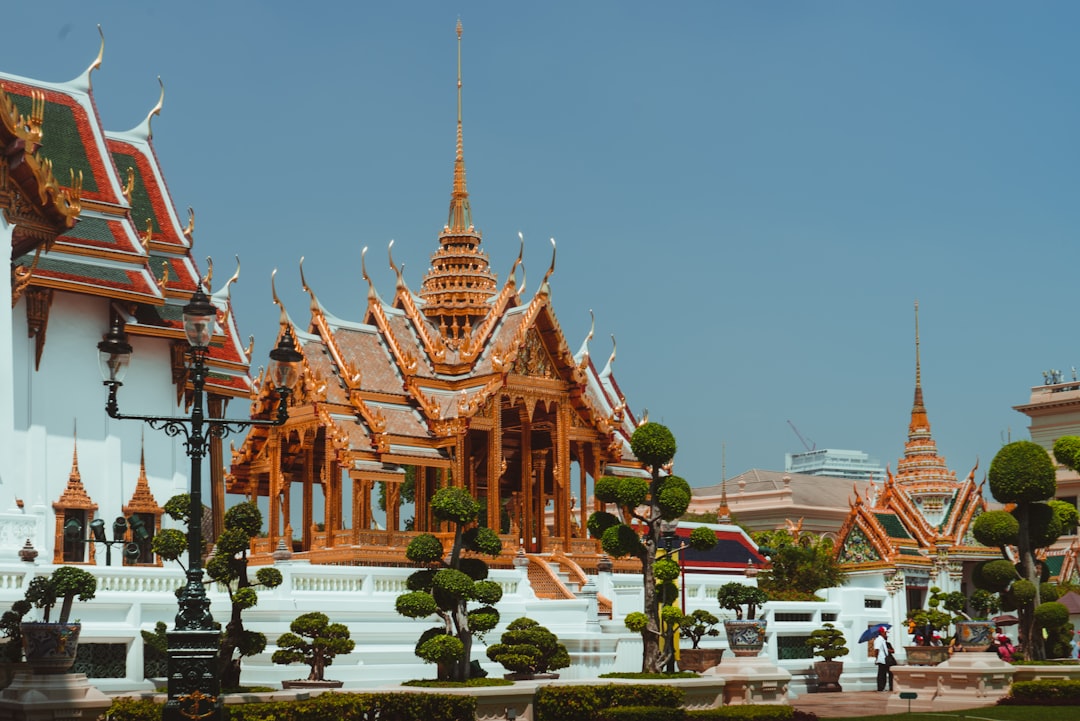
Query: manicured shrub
[[314, 641], [1046, 692], [751, 713], [640, 713], [358, 707], [131, 709], [574, 703], [527, 647]]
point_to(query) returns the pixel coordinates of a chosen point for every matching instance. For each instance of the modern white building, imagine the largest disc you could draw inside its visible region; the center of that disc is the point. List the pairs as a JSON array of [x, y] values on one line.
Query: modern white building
[[854, 465]]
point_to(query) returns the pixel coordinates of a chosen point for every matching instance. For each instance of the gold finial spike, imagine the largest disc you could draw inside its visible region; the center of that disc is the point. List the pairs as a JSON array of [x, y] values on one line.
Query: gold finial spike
[[189, 229], [918, 366], [129, 185], [164, 275], [97, 61], [250, 347], [145, 238], [550, 270], [398, 271], [205, 282], [156, 110], [460, 219]]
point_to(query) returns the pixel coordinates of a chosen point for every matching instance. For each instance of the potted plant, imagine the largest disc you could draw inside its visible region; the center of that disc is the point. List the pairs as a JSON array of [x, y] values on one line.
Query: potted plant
[[50, 647], [529, 651], [829, 643], [745, 634], [314, 641], [925, 624], [11, 658], [695, 626], [977, 633]]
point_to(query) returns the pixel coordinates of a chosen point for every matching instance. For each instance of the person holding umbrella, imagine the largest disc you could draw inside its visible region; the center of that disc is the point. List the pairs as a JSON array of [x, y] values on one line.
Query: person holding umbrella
[[882, 652]]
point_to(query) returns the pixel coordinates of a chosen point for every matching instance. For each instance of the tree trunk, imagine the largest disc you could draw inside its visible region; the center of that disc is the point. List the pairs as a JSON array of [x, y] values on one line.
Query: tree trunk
[[651, 661], [1030, 637]]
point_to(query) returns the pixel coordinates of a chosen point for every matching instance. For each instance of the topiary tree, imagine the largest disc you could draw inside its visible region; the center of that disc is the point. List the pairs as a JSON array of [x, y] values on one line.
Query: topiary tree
[[646, 504], [1023, 474], [801, 564], [449, 583], [315, 641], [528, 648], [827, 642], [11, 628], [227, 566], [697, 625], [742, 599]]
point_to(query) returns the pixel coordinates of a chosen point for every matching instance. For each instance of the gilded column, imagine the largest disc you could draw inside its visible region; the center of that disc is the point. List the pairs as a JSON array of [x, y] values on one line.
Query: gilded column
[[526, 482], [309, 481], [272, 529], [562, 475], [494, 469], [216, 408]]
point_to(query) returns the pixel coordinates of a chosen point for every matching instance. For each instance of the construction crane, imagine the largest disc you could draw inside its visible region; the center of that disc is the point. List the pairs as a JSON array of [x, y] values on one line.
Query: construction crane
[[806, 445]]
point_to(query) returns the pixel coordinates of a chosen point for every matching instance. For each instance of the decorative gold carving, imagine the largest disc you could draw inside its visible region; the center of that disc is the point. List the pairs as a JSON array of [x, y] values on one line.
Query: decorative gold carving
[[164, 280], [189, 229], [532, 359], [450, 427], [129, 186], [38, 302], [20, 277], [148, 235]]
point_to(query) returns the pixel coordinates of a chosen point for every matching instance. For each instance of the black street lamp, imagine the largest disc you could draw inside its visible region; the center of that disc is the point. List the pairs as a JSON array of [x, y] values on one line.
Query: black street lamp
[[73, 533], [194, 679]]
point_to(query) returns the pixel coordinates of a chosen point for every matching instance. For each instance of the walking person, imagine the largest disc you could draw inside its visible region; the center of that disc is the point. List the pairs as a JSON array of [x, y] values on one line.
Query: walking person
[[881, 659]]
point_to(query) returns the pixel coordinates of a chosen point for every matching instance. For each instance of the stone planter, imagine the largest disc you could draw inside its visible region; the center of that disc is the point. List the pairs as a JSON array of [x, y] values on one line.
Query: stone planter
[[974, 635], [530, 676], [699, 659], [50, 647], [926, 655], [828, 675], [745, 638], [304, 683]]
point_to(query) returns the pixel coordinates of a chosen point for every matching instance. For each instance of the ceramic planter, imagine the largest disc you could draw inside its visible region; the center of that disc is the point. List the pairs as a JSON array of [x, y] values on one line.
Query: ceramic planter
[[304, 683], [50, 647], [699, 659], [926, 655], [974, 635], [745, 638], [828, 675]]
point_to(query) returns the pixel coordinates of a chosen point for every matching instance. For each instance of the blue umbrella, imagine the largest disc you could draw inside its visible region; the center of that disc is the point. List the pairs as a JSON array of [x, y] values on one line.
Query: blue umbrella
[[869, 633]]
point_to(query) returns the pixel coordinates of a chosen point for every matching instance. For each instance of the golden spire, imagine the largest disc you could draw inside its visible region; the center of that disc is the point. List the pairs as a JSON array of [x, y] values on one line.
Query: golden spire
[[723, 513], [459, 286], [919, 420]]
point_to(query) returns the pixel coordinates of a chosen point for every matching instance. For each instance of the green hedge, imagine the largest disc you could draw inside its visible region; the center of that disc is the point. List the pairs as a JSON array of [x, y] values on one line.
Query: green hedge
[[751, 713], [574, 703], [1046, 692], [640, 713], [338, 706]]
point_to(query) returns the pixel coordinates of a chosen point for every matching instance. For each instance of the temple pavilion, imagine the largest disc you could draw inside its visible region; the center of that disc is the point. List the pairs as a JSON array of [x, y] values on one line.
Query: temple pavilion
[[916, 528], [465, 382]]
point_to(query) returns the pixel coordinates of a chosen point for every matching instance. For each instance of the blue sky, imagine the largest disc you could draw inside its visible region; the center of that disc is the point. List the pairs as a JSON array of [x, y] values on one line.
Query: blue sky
[[749, 196]]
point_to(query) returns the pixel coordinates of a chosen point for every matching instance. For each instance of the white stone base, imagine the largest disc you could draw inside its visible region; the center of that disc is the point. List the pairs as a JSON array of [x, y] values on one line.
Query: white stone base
[[67, 696], [752, 680], [964, 681]]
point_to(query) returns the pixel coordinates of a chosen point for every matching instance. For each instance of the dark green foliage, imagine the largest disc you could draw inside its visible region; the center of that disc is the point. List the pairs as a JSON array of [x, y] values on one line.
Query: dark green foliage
[[631, 492], [268, 577], [1022, 472], [996, 575], [984, 604], [996, 528], [653, 444], [314, 641], [741, 598], [578, 703], [178, 507], [1067, 451], [673, 497], [1066, 513], [453, 582], [636, 621], [11, 627], [666, 593], [697, 625], [1045, 692], [640, 713], [245, 518], [665, 569], [801, 563], [529, 648], [358, 707], [751, 713], [455, 505], [1051, 615], [702, 538], [425, 548], [827, 642], [1022, 591], [600, 522], [1044, 525], [170, 544], [132, 709], [1048, 592], [63, 586], [621, 540], [606, 488]]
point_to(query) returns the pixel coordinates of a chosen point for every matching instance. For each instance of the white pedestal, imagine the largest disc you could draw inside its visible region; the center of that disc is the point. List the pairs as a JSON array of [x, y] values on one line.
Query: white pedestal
[[752, 680], [51, 697], [964, 681]]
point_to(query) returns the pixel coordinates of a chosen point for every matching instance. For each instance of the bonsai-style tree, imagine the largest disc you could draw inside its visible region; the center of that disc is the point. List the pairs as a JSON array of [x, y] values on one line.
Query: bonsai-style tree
[[827, 642], [449, 583], [227, 566], [1023, 474], [528, 648], [697, 625], [314, 641], [742, 599], [646, 504], [11, 627], [63, 585], [942, 610], [801, 564], [983, 604]]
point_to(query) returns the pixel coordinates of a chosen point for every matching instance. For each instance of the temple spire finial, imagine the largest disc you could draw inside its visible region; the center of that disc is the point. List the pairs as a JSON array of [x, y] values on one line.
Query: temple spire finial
[[918, 365]]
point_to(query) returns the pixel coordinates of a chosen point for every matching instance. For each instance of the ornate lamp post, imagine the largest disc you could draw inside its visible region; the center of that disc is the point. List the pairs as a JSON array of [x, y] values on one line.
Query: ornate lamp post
[[194, 683]]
